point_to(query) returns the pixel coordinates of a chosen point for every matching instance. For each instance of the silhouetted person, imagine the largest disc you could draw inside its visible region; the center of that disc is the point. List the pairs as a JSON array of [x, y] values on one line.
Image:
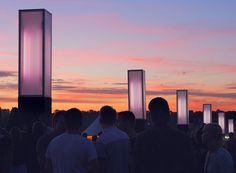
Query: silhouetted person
[[6, 151], [230, 145], [19, 150], [38, 130], [70, 152], [218, 159], [43, 142], [162, 149], [126, 123], [112, 145], [200, 151]]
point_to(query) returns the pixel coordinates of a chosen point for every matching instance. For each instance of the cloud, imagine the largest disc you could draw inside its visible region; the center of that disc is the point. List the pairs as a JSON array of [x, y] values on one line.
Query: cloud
[[62, 87], [231, 86], [8, 99], [120, 83], [8, 74]]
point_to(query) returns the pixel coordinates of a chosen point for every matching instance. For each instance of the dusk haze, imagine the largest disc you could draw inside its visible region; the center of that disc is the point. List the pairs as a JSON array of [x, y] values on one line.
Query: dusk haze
[[181, 45]]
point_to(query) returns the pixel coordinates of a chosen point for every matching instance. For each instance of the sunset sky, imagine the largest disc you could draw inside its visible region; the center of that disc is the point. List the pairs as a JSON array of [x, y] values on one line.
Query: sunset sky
[[181, 44]]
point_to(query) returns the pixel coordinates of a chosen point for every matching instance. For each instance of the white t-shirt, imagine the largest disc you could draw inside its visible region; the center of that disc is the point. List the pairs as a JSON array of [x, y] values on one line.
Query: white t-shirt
[[113, 147], [70, 153], [219, 162]]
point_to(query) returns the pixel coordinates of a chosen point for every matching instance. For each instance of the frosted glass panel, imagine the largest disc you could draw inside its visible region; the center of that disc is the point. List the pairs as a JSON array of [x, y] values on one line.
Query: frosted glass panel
[[31, 53], [231, 125], [182, 106], [207, 113], [48, 53], [35, 52], [136, 85], [221, 120]]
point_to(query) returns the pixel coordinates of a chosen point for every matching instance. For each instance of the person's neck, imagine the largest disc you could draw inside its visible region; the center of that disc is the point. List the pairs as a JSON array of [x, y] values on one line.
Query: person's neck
[[160, 125], [73, 131], [106, 126], [58, 131], [131, 133], [214, 148]]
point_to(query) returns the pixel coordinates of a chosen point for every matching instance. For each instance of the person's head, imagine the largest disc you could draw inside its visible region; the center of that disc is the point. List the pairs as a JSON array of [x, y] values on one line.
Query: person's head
[[231, 135], [59, 120], [159, 110], [15, 133], [212, 136], [126, 120], [38, 128], [107, 116], [73, 119]]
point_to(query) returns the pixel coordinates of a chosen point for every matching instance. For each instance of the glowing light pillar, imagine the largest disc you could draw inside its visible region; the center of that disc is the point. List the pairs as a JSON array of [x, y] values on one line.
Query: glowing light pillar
[[231, 125], [207, 113], [182, 106], [221, 120], [35, 56], [136, 93]]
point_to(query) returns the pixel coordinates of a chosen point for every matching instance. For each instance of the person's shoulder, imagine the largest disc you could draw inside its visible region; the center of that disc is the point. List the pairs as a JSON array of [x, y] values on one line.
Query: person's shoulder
[[223, 153], [122, 134], [58, 139], [44, 137], [145, 134], [111, 135]]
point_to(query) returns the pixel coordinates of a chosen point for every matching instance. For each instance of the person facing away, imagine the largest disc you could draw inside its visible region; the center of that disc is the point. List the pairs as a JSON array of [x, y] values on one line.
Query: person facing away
[[42, 145], [70, 152], [38, 130], [162, 149], [126, 123], [112, 145], [230, 145], [19, 150], [6, 151], [218, 159]]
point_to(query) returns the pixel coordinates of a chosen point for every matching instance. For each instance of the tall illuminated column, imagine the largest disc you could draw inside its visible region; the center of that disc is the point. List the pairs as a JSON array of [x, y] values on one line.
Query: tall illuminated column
[[182, 107], [35, 61], [221, 120], [136, 95], [231, 125], [207, 113]]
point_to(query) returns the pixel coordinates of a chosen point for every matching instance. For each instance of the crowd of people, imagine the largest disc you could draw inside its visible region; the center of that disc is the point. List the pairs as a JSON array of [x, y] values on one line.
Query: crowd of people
[[118, 148]]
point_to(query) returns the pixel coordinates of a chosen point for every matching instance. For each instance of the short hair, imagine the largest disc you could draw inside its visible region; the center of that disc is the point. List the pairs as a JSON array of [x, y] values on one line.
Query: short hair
[[58, 115], [73, 119], [160, 111], [127, 116], [107, 115], [215, 130]]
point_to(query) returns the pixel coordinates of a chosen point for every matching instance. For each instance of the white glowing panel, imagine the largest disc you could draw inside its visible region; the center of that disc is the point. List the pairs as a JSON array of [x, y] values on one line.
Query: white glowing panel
[[231, 125], [182, 106], [221, 120], [207, 113], [136, 92], [35, 53]]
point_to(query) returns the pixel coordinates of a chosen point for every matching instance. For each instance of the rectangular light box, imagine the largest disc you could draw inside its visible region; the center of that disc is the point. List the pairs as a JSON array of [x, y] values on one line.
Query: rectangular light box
[[231, 125], [182, 107], [136, 93], [221, 120], [207, 113], [35, 52]]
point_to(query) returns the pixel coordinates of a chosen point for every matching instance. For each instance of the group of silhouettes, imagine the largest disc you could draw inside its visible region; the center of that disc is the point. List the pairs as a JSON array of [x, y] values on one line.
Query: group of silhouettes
[[118, 148]]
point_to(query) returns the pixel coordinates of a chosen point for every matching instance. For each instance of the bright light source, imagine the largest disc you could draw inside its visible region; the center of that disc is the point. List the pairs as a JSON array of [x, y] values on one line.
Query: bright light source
[[231, 125], [35, 43], [221, 120], [136, 93], [182, 106], [207, 113]]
